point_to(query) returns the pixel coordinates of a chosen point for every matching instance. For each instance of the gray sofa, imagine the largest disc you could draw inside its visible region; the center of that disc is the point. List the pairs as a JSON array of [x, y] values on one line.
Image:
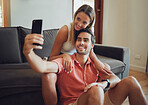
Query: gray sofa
[[20, 85]]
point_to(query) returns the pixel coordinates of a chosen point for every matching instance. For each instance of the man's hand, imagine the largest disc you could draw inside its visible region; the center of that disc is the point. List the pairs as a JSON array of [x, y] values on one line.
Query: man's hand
[[29, 40], [67, 62], [101, 84]]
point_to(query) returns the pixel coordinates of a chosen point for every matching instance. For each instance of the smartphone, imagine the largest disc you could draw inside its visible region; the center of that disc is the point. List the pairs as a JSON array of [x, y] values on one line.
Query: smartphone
[[36, 27]]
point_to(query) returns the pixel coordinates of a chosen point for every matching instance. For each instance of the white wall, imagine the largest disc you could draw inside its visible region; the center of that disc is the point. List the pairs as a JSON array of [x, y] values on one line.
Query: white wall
[[126, 24], [115, 23], [54, 13], [138, 32]]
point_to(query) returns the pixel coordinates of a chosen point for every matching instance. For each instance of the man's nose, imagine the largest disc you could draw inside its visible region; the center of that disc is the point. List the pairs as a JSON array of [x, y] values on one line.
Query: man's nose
[[82, 42]]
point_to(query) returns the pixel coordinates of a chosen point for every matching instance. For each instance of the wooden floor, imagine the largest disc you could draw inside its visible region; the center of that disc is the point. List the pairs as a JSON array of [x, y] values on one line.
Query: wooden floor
[[142, 79]]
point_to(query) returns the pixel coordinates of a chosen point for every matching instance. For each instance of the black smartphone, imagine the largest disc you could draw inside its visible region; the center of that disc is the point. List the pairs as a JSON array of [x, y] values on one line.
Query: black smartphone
[[36, 27]]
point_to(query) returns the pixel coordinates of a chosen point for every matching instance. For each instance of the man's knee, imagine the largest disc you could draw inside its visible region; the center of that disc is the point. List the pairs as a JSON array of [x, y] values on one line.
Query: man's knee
[[49, 77], [131, 82], [49, 89], [95, 94]]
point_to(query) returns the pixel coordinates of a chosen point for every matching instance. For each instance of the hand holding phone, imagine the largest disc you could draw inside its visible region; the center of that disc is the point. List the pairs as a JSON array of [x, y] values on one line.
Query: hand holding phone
[[36, 28]]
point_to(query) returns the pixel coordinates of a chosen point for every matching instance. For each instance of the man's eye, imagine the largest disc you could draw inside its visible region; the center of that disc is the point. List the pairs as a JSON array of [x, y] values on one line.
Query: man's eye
[[85, 40], [78, 39]]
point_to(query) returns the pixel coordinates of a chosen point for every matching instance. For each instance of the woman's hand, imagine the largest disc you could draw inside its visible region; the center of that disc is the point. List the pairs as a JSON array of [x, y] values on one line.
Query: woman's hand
[[67, 62], [29, 40]]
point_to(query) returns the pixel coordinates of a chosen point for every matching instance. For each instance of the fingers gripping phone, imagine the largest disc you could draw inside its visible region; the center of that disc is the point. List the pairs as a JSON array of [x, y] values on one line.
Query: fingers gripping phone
[[36, 27]]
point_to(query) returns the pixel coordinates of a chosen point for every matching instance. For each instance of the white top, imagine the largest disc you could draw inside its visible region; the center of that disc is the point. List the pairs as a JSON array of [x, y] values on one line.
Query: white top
[[68, 47]]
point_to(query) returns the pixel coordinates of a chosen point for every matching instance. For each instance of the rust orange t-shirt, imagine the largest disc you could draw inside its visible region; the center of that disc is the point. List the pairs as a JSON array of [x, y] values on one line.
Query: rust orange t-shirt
[[71, 85]]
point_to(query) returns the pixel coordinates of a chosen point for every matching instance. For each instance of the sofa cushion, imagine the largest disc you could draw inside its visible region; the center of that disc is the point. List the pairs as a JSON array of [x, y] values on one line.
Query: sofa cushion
[[49, 37], [117, 66], [10, 52], [22, 34]]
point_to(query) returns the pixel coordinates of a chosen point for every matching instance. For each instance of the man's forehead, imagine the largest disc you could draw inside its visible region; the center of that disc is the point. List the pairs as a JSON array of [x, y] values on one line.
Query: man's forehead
[[84, 35]]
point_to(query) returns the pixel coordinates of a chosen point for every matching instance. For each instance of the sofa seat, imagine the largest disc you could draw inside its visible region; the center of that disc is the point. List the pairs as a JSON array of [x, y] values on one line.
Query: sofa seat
[[16, 84], [117, 67]]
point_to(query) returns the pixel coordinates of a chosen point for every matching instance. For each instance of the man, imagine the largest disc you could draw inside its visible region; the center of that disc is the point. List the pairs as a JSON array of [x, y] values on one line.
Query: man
[[85, 84]]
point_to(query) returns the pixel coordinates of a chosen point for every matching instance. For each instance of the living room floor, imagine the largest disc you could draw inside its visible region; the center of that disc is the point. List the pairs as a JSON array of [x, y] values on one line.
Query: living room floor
[[142, 79]]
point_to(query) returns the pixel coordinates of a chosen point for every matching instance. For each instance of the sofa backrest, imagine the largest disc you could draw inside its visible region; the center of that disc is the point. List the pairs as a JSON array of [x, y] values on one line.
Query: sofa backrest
[[22, 34], [12, 42], [49, 38], [9, 45]]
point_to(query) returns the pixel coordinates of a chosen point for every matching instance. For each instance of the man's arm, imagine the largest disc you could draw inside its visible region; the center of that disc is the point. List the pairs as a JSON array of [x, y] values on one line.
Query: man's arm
[[40, 65], [37, 64], [112, 78]]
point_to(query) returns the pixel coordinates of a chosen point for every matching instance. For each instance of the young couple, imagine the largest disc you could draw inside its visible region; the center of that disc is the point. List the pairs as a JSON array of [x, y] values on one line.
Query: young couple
[[81, 77]]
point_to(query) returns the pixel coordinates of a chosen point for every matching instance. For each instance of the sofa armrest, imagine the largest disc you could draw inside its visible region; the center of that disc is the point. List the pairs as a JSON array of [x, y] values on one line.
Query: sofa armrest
[[116, 52]]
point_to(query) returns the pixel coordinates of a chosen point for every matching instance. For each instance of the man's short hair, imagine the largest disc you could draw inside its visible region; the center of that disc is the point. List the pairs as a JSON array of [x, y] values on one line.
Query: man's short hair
[[93, 40]]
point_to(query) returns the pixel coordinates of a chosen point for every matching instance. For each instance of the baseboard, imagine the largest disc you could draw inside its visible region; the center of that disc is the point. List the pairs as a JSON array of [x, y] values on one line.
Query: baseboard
[[137, 68]]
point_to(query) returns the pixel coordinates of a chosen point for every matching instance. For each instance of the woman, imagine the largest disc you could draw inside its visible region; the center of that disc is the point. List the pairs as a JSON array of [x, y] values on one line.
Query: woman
[[64, 43], [65, 40]]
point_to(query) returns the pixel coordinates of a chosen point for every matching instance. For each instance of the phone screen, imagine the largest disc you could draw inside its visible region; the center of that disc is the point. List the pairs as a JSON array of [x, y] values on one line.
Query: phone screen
[[36, 26]]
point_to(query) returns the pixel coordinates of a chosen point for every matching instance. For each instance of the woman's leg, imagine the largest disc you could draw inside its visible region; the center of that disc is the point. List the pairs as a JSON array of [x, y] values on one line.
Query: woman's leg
[[127, 87], [49, 88]]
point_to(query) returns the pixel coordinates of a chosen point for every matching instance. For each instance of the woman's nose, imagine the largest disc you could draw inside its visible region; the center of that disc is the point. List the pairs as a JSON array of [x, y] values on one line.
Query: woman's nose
[[80, 24]]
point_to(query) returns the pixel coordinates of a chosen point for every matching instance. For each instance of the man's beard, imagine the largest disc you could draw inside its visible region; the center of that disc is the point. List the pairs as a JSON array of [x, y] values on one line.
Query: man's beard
[[82, 53]]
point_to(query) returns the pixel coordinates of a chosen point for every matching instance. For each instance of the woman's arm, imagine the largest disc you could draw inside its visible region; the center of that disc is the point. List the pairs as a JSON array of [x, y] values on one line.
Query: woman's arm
[[103, 67], [61, 37]]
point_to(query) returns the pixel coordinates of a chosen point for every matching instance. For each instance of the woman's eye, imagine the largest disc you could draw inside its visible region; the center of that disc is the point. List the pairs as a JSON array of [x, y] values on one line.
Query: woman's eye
[[78, 19], [84, 23]]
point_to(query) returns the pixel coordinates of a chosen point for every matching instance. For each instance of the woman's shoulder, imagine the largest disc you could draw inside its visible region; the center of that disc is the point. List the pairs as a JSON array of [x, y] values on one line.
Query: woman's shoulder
[[63, 33], [64, 29]]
